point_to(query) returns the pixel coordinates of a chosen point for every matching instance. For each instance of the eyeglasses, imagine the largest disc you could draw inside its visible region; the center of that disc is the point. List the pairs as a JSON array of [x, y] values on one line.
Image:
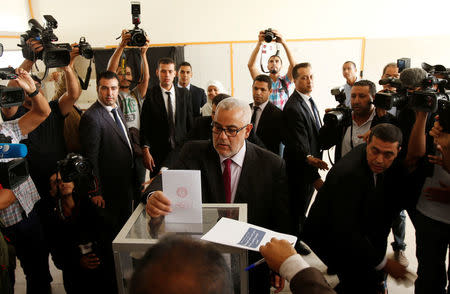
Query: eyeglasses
[[230, 132]]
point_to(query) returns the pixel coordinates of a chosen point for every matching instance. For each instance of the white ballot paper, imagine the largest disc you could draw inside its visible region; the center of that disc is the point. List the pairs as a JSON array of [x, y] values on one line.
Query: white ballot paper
[[243, 235], [183, 188]]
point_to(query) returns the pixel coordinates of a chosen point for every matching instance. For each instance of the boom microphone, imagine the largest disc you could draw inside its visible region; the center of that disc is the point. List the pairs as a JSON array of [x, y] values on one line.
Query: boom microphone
[[13, 150]]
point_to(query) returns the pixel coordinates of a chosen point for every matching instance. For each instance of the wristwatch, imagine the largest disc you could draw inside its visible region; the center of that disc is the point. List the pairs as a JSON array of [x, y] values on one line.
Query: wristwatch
[[34, 93]]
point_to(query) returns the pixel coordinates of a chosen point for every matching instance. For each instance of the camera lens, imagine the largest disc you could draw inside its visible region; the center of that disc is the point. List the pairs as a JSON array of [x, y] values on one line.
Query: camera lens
[[138, 39]]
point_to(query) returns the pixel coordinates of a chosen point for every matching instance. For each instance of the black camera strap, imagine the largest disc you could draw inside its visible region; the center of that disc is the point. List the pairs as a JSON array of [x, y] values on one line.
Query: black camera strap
[[85, 84]]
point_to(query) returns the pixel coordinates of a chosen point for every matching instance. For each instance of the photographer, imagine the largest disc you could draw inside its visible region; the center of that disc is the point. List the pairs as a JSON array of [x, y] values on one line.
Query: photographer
[[22, 224], [83, 253], [364, 116], [131, 99], [280, 84], [349, 72]]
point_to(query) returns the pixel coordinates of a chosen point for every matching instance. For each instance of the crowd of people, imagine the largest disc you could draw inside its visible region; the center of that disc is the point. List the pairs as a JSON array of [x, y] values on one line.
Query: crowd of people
[[267, 154]]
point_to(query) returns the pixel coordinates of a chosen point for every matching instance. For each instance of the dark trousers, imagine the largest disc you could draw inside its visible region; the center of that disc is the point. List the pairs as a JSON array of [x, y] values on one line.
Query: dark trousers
[[27, 238], [367, 281], [432, 243], [398, 230]]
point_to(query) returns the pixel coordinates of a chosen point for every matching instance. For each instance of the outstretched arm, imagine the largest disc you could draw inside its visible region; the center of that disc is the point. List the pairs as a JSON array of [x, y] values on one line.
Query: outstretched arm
[[252, 61]]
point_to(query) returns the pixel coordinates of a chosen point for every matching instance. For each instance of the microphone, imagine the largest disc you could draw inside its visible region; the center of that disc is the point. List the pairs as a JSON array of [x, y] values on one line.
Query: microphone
[[412, 77], [13, 150]]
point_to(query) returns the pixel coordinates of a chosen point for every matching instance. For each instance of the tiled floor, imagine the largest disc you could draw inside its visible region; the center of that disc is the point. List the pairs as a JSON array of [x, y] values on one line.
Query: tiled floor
[[58, 288]]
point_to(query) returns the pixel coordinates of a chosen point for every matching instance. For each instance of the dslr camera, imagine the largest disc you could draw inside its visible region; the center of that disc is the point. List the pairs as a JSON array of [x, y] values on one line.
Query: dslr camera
[[138, 35], [73, 167], [388, 99], [85, 48], [269, 35], [53, 55]]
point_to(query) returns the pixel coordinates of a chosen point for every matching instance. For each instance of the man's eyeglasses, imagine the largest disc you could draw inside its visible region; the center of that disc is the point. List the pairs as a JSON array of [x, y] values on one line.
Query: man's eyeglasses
[[230, 132]]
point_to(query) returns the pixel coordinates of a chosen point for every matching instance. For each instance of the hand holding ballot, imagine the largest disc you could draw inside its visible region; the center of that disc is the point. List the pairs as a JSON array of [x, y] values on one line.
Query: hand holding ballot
[[158, 205]]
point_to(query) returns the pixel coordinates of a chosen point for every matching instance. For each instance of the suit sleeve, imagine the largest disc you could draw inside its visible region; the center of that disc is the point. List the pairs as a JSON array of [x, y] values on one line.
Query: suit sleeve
[[281, 211], [310, 280], [189, 112], [296, 137], [203, 101], [90, 139]]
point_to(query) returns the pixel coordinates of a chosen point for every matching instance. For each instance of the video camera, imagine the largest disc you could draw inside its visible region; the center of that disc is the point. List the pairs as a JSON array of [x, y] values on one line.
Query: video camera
[[339, 115], [138, 36], [53, 55], [9, 96], [14, 172], [334, 120]]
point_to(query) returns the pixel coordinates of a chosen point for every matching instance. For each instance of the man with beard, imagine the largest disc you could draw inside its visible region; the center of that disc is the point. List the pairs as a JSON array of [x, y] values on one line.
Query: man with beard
[[280, 84]]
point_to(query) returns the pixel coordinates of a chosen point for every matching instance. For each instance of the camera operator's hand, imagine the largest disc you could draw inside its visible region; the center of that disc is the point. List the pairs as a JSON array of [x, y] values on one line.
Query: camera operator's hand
[[395, 269], [438, 194], [126, 38], [316, 162], [35, 45], [98, 200], [380, 111], [25, 81], [158, 204], [149, 163], [90, 261], [278, 36], [74, 53], [365, 136], [7, 198], [261, 37], [145, 47]]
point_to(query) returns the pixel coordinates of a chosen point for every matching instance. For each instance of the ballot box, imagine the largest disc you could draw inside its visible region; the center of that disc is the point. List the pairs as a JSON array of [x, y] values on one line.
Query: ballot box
[[140, 233]]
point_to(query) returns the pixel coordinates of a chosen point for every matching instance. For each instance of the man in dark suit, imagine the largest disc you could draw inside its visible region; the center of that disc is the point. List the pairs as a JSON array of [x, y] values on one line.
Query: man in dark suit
[[354, 210], [197, 95], [267, 119], [235, 171], [165, 119], [106, 143], [282, 258], [302, 153]]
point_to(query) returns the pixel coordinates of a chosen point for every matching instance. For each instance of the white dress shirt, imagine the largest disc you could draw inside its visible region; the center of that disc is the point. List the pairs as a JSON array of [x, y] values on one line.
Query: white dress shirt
[[235, 168], [187, 87]]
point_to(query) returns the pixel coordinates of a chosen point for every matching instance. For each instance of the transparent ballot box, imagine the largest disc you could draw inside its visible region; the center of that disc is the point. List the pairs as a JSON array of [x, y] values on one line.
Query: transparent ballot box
[[140, 233]]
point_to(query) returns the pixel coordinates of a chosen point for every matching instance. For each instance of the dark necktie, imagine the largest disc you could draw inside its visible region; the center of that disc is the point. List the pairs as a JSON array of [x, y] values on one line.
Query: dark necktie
[[253, 121], [119, 125], [227, 179], [170, 121], [316, 113]]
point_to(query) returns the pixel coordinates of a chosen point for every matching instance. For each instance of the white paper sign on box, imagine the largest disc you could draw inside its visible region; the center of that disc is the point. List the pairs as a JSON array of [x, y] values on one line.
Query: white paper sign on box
[[184, 190]]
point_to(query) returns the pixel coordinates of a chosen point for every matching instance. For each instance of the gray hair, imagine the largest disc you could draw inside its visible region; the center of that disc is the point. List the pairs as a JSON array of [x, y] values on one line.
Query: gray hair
[[233, 103], [412, 77]]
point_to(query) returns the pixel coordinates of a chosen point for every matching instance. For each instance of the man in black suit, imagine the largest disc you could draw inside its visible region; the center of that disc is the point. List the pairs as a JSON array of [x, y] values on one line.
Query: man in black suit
[[106, 143], [197, 95], [267, 119], [235, 171], [302, 153], [355, 207], [165, 119]]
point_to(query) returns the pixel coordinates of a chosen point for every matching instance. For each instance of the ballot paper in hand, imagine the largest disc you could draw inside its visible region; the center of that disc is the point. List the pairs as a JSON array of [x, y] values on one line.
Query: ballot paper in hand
[[183, 188], [243, 235]]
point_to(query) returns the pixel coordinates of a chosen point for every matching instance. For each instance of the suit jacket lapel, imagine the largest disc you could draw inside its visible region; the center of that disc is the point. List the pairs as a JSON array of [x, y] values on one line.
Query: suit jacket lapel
[[307, 111], [248, 168], [107, 117], [159, 102]]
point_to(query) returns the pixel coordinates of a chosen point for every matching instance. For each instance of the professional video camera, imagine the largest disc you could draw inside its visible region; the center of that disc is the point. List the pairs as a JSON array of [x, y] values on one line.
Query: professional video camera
[[439, 71], [9, 96], [269, 35], [85, 48], [388, 99], [138, 36], [53, 55], [339, 115], [13, 172], [403, 63], [334, 120]]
